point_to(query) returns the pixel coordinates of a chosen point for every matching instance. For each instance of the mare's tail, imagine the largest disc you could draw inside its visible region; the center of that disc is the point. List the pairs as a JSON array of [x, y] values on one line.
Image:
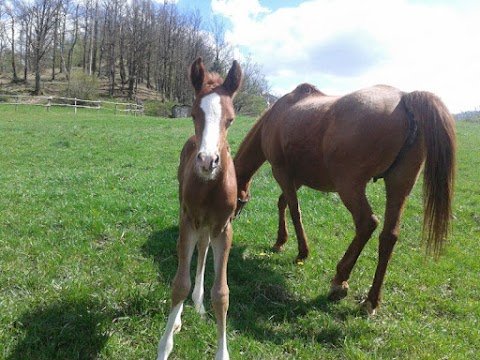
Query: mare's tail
[[437, 128]]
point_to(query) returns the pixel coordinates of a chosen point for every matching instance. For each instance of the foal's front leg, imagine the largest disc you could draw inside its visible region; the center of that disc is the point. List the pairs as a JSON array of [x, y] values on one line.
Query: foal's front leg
[[220, 292], [198, 290], [180, 288]]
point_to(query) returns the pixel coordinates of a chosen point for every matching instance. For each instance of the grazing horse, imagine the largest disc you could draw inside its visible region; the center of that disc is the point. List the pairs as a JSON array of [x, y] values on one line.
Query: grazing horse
[[207, 193], [337, 144]]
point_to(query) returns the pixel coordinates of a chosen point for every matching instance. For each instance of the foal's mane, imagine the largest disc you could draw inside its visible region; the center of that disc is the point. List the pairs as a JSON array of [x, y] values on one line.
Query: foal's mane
[[212, 80]]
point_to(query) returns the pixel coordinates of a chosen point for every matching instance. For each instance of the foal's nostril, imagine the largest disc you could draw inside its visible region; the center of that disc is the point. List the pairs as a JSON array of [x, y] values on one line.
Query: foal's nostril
[[216, 161]]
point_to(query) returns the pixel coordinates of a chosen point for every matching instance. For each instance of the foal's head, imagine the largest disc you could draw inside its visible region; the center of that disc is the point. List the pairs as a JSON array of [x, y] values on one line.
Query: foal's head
[[212, 113]]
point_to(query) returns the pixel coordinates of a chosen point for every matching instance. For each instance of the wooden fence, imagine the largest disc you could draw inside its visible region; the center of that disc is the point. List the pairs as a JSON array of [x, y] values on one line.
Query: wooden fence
[[50, 101]]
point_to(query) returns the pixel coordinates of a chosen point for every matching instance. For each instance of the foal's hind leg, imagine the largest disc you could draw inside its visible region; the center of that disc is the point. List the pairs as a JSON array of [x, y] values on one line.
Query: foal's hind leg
[[180, 288], [366, 222], [282, 234]]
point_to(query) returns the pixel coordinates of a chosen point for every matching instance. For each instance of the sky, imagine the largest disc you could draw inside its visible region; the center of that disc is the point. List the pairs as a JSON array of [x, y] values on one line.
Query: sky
[[344, 45]]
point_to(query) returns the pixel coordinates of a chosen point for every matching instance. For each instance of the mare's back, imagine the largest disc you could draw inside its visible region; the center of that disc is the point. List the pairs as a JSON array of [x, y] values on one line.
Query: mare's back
[[368, 126], [377, 106], [294, 118]]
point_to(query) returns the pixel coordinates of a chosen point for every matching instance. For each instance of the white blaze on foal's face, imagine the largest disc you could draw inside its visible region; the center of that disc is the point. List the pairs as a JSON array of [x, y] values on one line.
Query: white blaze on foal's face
[[208, 153], [212, 109]]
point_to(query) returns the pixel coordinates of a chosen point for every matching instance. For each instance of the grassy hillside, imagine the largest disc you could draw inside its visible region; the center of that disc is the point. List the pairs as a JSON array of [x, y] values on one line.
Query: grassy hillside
[[88, 227]]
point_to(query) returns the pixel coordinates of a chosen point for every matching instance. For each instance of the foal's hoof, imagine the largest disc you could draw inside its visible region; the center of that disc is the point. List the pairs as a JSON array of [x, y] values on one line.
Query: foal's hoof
[[338, 292], [177, 327], [278, 248], [201, 310], [368, 307]]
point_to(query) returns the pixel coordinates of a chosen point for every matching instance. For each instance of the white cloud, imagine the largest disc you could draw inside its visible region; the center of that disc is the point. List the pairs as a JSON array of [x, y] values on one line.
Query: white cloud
[[342, 45], [238, 8]]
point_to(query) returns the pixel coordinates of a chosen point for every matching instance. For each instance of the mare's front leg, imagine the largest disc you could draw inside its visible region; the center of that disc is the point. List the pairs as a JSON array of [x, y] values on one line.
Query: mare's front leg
[[282, 234], [289, 190], [180, 287], [220, 292]]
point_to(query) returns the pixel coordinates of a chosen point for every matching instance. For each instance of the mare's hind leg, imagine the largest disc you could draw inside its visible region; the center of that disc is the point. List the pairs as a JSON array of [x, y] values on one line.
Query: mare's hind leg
[[289, 190], [398, 185], [220, 292], [366, 222], [180, 288], [282, 235]]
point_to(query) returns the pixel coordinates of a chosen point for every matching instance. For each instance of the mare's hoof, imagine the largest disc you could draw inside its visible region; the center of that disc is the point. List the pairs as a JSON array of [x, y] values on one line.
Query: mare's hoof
[[368, 307], [278, 248], [299, 260], [338, 292]]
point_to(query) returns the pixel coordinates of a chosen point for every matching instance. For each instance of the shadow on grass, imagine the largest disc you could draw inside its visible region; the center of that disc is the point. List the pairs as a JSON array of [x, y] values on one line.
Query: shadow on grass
[[65, 330], [261, 306], [78, 328], [162, 246]]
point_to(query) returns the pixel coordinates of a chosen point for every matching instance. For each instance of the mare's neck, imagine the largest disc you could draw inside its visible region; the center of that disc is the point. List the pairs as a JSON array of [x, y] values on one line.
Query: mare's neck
[[248, 159]]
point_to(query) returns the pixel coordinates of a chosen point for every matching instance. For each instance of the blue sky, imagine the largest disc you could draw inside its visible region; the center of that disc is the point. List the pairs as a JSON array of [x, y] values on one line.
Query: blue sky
[[343, 45]]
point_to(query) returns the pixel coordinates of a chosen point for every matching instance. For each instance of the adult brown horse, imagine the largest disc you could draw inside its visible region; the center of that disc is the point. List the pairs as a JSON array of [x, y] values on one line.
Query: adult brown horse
[[338, 144], [207, 193]]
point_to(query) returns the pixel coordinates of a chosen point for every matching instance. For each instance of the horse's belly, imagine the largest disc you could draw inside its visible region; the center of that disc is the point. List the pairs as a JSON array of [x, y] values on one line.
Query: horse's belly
[[314, 174]]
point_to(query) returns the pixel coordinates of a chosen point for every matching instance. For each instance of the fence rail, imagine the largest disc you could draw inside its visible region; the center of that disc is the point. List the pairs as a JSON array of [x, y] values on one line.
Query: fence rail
[[75, 103]]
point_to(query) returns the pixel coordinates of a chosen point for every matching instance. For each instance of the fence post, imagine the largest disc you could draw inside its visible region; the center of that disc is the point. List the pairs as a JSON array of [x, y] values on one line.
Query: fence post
[[16, 104], [49, 103], [115, 109], [75, 105]]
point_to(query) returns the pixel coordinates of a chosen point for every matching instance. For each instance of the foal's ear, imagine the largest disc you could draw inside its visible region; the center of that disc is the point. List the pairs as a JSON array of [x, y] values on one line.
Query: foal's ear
[[197, 74], [234, 78]]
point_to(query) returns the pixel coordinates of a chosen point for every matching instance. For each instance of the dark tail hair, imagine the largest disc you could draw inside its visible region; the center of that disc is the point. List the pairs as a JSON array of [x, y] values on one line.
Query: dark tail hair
[[438, 131]]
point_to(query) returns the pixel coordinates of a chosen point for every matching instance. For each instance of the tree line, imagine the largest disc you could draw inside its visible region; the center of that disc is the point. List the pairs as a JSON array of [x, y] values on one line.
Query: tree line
[[126, 43]]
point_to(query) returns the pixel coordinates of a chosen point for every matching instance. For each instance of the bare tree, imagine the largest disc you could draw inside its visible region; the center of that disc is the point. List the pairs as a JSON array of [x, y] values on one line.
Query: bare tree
[[94, 40], [55, 30], [73, 42], [130, 43], [112, 17], [220, 46], [25, 18], [251, 98], [42, 14], [3, 35]]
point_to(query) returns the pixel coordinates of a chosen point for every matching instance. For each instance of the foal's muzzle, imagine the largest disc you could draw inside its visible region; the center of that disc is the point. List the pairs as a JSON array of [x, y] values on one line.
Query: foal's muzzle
[[207, 163]]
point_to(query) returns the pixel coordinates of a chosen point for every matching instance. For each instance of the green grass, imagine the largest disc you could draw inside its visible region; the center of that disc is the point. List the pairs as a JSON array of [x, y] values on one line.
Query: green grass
[[88, 227]]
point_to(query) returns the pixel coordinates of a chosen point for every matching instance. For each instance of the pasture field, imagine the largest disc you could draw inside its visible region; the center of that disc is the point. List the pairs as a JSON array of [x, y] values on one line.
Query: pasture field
[[88, 228]]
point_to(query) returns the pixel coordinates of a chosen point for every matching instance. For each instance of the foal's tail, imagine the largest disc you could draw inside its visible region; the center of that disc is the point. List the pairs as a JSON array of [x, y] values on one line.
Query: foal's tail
[[437, 128]]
